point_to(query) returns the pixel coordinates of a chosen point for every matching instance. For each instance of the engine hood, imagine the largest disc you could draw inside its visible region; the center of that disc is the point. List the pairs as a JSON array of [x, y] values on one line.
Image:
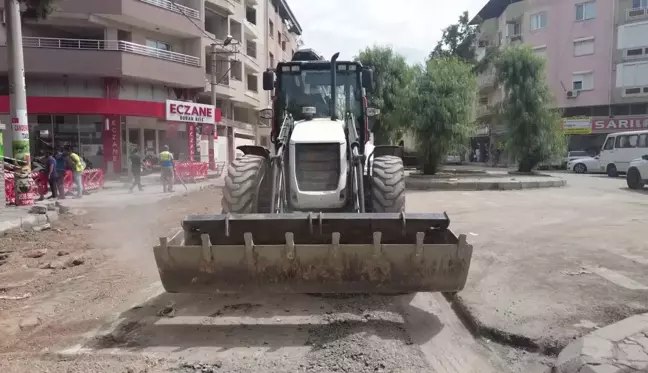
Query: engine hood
[[318, 130]]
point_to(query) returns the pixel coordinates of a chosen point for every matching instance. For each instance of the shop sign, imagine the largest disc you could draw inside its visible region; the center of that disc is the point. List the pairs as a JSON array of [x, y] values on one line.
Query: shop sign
[[620, 124], [114, 141], [192, 112], [580, 126], [191, 138]]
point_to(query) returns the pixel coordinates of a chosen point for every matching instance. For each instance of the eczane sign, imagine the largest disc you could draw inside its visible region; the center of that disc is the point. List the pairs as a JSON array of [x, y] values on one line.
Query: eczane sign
[[180, 111]]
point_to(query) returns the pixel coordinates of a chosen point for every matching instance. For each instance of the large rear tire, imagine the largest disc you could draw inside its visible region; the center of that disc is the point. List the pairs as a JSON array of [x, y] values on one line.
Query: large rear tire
[[388, 184], [242, 184]]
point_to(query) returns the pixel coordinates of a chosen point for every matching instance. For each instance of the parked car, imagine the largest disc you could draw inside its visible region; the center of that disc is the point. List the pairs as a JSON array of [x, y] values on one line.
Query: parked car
[[584, 165], [574, 155], [620, 149], [637, 175]]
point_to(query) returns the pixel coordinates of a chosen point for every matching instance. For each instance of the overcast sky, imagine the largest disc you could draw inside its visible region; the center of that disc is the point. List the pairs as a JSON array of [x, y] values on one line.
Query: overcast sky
[[412, 27]]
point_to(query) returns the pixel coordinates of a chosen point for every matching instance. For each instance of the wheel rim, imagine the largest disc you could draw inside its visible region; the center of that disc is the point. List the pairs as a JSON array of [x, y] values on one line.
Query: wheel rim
[[579, 168]]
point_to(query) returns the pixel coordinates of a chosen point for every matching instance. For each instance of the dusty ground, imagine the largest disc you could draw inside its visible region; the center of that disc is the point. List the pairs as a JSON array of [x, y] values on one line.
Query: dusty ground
[[551, 264], [103, 314], [91, 262]]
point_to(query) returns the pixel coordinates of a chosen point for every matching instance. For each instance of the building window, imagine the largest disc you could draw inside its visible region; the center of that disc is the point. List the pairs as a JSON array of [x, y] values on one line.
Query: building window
[[271, 29], [583, 47], [279, 37], [283, 45], [586, 11], [272, 61], [638, 4], [252, 83], [158, 44], [583, 81], [514, 29], [539, 21]]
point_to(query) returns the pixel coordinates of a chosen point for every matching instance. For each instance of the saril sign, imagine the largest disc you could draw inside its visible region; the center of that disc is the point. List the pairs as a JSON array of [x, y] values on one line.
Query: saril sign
[[180, 111]]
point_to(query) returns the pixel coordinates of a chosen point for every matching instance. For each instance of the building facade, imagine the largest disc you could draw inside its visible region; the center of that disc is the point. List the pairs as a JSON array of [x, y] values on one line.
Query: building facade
[[264, 33], [99, 74], [597, 62]]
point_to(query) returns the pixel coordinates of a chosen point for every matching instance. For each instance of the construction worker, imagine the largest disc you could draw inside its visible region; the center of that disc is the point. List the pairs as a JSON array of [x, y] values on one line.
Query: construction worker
[[167, 168], [77, 165]]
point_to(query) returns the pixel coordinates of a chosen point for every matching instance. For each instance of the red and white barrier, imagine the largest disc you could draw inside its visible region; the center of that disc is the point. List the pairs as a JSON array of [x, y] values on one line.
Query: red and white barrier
[[191, 171], [92, 179]]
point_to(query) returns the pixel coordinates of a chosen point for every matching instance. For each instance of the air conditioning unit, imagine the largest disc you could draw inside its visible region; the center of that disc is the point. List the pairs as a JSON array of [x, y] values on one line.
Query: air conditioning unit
[[571, 94]]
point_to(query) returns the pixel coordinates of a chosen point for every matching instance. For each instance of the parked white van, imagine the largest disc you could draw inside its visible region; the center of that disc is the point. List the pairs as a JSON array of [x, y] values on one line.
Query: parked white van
[[620, 149]]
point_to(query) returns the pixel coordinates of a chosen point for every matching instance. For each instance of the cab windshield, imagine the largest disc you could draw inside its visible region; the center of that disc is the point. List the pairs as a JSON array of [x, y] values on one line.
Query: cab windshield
[[313, 88]]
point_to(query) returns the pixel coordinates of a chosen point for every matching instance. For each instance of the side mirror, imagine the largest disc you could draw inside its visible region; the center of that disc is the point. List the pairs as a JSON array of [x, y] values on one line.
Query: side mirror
[[645, 157], [266, 113], [268, 80], [372, 112], [367, 79]]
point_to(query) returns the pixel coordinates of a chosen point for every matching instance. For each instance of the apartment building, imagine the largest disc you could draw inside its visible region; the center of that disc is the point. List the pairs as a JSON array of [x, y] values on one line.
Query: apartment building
[[264, 33], [597, 62], [102, 76]]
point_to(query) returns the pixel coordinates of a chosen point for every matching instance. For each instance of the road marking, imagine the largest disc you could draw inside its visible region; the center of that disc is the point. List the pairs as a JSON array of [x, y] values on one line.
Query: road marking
[[617, 278]]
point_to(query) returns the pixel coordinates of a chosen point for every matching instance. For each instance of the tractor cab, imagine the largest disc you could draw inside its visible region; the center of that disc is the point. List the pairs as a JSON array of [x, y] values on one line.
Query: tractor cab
[[302, 90]]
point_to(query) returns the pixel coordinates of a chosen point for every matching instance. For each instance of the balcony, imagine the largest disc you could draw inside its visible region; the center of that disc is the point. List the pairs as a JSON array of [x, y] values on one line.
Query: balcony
[[252, 99], [486, 79], [484, 110], [161, 16], [251, 30], [228, 6], [174, 7], [100, 58]]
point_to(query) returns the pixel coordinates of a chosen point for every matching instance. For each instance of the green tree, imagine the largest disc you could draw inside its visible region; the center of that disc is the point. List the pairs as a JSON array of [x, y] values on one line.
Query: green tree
[[392, 75], [458, 40], [534, 131], [442, 101]]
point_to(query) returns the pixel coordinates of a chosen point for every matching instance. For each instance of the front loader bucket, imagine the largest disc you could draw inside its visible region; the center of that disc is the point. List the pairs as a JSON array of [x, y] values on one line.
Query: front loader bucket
[[314, 253]]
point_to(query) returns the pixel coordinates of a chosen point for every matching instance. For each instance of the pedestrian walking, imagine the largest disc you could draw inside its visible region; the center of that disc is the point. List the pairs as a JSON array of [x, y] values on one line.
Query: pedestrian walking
[[136, 170], [52, 175], [77, 166], [167, 168], [60, 173]]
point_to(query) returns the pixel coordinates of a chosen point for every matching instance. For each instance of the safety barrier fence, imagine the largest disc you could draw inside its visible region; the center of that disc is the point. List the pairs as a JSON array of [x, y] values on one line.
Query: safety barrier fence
[[91, 179]]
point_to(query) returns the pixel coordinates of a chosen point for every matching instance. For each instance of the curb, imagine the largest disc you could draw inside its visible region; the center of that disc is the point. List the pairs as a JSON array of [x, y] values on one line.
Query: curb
[[422, 184], [478, 328], [619, 347], [29, 220]]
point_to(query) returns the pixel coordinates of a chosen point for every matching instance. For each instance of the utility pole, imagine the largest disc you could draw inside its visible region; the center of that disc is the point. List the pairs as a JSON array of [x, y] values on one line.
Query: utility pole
[[18, 101]]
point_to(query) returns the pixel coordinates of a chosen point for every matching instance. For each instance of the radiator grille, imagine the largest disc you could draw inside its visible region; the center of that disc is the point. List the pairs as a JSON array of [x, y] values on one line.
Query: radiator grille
[[317, 166]]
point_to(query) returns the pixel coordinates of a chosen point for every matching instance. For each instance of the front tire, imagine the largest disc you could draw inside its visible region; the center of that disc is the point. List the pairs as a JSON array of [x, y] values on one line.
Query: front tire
[[612, 170], [633, 179], [580, 168], [242, 184], [387, 184]]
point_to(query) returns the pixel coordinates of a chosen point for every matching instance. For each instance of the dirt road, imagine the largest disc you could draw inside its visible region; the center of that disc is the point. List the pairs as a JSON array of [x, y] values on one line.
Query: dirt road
[[85, 297]]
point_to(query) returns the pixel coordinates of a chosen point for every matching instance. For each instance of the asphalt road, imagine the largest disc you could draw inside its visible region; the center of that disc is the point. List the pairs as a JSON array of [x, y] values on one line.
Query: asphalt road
[[550, 264]]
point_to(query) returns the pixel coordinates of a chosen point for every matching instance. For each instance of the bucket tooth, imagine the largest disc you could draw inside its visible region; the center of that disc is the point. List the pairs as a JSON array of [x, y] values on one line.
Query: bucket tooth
[[420, 239], [377, 246], [290, 245], [335, 244]]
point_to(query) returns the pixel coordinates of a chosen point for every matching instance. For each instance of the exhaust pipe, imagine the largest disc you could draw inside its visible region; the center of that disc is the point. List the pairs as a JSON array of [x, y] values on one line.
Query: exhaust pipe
[[333, 85]]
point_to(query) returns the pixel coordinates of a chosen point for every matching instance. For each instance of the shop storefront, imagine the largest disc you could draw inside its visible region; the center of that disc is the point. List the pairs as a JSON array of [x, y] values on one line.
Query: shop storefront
[[99, 129], [589, 133]]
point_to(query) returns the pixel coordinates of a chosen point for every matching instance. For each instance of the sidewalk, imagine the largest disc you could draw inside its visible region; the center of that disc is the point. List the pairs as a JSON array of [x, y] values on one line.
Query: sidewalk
[[619, 347], [115, 194]]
